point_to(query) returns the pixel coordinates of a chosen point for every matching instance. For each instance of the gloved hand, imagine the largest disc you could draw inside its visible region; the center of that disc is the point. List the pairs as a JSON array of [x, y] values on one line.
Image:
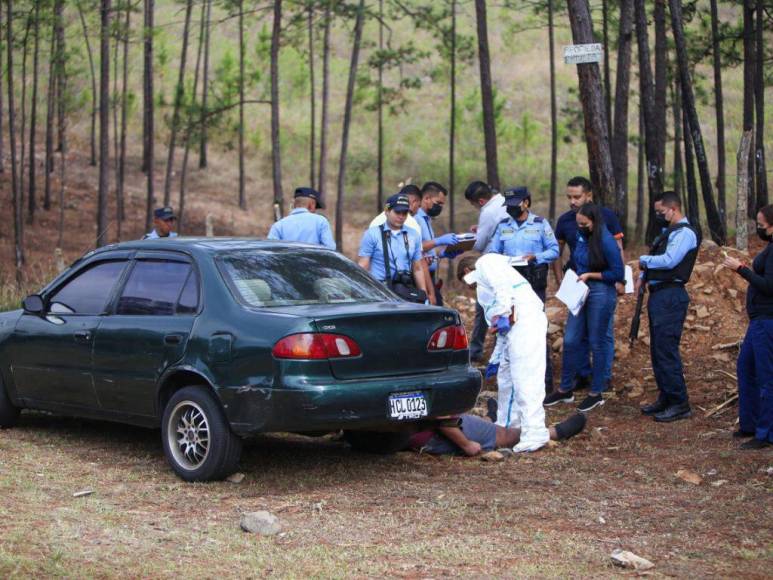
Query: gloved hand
[[449, 255], [491, 370], [446, 240], [503, 325]]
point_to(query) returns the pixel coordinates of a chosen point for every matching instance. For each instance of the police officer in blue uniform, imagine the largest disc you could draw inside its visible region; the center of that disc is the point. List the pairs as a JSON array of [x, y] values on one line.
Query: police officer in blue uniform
[[433, 198], [401, 259], [164, 223], [304, 224], [666, 270], [529, 236]]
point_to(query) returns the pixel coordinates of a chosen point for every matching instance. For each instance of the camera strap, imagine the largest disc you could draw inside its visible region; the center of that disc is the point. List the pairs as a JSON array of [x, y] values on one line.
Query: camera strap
[[384, 247]]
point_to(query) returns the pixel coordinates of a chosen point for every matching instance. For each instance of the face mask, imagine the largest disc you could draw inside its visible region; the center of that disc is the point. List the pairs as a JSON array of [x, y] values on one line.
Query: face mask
[[435, 210], [661, 220], [514, 211], [584, 230], [763, 235]]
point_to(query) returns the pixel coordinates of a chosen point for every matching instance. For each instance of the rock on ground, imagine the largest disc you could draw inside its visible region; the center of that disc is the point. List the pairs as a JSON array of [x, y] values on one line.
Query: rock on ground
[[262, 522], [626, 559]]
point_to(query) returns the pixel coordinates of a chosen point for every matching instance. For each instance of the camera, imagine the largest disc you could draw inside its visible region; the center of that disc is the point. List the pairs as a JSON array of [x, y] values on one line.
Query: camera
[[404, 277]]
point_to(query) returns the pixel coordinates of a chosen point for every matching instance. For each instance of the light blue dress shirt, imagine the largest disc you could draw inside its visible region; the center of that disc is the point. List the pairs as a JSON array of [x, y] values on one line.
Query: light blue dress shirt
[[303, 226], [154, 235], [427, 234], [680, 242], [533, 236], [491, 215], [400, 257]]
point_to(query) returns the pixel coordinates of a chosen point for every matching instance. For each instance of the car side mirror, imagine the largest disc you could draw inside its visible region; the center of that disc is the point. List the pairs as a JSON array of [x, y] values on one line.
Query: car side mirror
[[33, 304]]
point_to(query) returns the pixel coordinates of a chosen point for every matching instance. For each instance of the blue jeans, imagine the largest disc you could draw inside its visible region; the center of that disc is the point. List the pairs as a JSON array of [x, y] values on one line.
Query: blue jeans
[[591, 325], [755, 380], [667, 309]]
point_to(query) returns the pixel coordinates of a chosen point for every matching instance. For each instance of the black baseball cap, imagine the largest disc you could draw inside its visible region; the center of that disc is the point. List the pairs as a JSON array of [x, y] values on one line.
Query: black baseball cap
[[312, 193], [398, 202], [515, 195], [164, 213]]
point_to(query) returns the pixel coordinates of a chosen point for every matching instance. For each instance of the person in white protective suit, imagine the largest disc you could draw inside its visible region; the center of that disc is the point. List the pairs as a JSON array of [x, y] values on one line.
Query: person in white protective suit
[[516, 314]]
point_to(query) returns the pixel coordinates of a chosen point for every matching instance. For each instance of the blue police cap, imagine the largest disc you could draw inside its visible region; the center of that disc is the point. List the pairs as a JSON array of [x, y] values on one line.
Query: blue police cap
[[312, 193], [515, 195], [164, 213], [398, 202]]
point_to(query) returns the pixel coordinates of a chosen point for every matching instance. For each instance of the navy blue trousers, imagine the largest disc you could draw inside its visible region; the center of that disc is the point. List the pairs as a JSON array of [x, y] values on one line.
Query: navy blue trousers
[[667, 309], [755, 380]]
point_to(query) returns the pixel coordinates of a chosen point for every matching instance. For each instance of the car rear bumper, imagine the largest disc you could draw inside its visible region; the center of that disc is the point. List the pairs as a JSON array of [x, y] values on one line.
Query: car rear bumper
[[302, 406]]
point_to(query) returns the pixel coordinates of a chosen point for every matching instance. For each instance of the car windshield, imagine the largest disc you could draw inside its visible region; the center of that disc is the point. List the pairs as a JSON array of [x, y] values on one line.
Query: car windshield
[[292, 277]]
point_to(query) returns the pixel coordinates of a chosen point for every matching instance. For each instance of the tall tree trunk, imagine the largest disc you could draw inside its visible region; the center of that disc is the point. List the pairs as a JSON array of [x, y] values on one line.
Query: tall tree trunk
[[104, 122], [313, 99], [452, 126], [693, 206], [61, 77], [743, 182], [114, 102], [189, 122], [647, 92], [18, 231], [594, 113], [380, 112], [553, 114], [759, 101], [148, 112], [124, 121], [92, 68], [487, 96], [676, 110], [323, 122], [276, 152], [622, 91], [23, 127], [719, 108], [61, 88], [205, 89], [2, 142], [339, 232], [661, 79], [716, 228], [640, 173], [748, 94], [178, 98], [607, 74], [242, 56], [53, 71]]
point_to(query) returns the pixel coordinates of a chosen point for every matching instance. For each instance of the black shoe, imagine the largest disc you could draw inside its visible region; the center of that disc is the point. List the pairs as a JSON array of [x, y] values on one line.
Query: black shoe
[[558, 397], [571, 426], [654, 408], [582, 383], [590, 402], [491, 409], [755, 444], [674, 413], [741, 434]]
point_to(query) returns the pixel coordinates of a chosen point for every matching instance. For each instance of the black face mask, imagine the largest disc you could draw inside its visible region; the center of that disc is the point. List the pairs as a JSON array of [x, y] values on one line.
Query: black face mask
[[514, 211], [765, 237], [661, 220], [435, 210], [585, 231]]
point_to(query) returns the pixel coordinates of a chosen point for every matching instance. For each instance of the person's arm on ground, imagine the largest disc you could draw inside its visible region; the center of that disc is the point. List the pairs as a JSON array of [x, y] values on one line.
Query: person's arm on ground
[[457, 437]]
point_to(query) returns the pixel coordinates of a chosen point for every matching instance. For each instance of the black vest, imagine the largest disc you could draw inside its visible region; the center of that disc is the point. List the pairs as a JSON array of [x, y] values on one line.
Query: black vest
[[682, 271]]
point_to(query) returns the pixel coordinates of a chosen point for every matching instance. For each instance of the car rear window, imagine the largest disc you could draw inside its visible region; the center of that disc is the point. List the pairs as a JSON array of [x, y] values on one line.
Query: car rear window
[[265, 279]]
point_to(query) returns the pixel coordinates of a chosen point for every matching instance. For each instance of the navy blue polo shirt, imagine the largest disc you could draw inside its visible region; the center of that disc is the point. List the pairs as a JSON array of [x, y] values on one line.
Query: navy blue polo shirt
[[566, 229]]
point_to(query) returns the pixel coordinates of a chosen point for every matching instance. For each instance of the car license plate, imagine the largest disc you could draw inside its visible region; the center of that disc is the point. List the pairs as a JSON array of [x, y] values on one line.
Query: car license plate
[[404, 406]]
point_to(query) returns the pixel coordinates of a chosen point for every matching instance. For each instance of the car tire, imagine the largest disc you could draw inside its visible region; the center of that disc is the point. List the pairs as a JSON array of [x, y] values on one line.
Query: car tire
[[9, 413], [197, 439], [378, 442]]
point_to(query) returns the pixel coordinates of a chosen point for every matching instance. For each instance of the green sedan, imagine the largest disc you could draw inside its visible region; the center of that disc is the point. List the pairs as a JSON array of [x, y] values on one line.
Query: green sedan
[[217, 339]]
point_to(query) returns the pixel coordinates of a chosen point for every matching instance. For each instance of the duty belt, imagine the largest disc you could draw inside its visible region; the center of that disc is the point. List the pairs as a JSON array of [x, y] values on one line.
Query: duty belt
[[663, 285]]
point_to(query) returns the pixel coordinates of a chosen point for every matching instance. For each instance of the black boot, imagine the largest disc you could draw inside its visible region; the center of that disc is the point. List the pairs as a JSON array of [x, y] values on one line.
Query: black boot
[[674, 413]]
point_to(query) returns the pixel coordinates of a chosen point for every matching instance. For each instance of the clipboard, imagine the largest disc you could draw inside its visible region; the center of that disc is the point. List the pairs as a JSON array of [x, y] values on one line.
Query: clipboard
[[465, 243]]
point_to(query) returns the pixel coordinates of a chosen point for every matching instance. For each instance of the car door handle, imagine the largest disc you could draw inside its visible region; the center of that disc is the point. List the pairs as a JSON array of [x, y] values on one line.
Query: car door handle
[[82, 336], [173, 339]]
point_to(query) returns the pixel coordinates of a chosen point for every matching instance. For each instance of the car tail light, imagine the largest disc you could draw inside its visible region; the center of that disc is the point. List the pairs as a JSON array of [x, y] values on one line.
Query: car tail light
[[448, 338], [317, 346]]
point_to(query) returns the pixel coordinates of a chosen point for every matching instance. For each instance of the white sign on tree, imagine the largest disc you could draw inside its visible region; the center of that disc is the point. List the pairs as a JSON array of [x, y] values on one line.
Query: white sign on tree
[[583, 53]]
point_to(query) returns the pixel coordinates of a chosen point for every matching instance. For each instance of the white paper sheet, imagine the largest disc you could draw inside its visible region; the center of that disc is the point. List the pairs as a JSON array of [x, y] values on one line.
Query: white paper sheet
[[573, 292], [628, 280], [518, 261]]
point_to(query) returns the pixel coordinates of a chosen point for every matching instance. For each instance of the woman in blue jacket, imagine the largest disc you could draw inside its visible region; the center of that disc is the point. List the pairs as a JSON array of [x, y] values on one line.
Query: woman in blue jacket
[[600, 266], [755, 361]]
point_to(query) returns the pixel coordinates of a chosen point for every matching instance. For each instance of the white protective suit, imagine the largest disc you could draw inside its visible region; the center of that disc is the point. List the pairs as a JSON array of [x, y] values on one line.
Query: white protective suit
[[521, 353]]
